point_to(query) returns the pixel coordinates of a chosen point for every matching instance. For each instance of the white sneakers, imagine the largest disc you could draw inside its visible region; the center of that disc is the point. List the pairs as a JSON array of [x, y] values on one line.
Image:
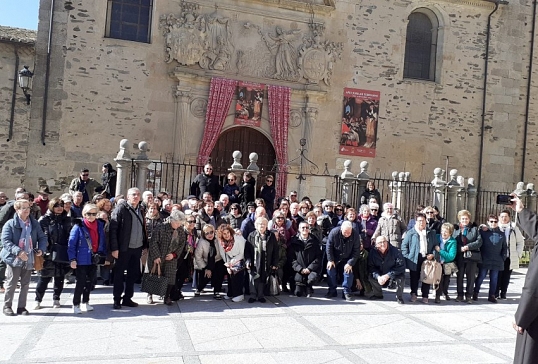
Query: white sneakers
[[87, 307], [56, 304], [37, 305], [238, 298]]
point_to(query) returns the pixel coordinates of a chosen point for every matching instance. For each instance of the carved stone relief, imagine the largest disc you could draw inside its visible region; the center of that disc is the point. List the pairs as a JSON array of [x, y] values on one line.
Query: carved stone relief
[[296, 118], [198, 107], [206, 40]]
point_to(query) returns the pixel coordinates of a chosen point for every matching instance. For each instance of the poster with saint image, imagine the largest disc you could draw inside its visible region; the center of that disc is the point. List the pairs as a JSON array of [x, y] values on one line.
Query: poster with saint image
[[248, 110], [359, 122]]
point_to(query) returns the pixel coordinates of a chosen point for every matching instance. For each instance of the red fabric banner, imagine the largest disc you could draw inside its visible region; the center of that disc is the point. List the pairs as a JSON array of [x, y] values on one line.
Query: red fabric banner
[[279, 117], [221, 93]]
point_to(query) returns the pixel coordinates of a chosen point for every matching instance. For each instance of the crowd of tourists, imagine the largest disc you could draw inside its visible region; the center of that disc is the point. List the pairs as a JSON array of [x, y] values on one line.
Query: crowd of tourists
[[260, 244]]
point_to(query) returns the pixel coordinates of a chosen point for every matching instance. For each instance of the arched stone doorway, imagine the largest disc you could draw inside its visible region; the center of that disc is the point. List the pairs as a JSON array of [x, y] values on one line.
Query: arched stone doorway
[[246, 140]]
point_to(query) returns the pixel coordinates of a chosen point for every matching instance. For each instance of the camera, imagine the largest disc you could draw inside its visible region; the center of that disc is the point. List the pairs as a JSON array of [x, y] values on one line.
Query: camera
[[504, 199]]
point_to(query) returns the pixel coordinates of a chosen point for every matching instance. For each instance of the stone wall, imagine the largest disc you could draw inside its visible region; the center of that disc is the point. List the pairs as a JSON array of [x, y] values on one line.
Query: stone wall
[[103, 90]]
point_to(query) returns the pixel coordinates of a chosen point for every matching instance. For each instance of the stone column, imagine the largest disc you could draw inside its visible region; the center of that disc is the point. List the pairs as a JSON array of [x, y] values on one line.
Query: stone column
[[472, 193], [347, 178], [393, 188], [521, 192], [311, 119], [452, 197], [123, 167], [142, 164], [461, 194], [531, 197], [363, 179], [439, 190], [183, 99]]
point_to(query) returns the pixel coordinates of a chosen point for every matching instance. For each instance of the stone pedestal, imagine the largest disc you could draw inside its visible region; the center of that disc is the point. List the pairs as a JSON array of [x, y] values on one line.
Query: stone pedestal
[[123, 167]]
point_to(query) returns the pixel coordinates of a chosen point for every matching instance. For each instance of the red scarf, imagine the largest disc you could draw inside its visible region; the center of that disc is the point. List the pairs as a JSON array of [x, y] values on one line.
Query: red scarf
[[227, 244], [94, 235]]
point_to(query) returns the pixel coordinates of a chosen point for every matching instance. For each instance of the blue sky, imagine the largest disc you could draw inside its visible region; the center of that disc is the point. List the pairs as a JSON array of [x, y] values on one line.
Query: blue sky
[[19, 13]]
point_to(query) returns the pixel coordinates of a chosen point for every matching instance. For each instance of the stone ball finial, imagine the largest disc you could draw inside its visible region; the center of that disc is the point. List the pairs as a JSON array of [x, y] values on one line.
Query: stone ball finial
[[364, 166], [437, 172], [123, 153], [347, 164], [237, 160], [143, 146], [124, 144], [237, 154], [530, 186], [520, 185], [346, 174], [394, 175], [253, 157], [470, 181], [453, 173], [401, 176]]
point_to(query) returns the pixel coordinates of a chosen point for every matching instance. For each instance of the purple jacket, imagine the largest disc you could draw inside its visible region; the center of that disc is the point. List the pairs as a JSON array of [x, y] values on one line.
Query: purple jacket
[[366, 234]]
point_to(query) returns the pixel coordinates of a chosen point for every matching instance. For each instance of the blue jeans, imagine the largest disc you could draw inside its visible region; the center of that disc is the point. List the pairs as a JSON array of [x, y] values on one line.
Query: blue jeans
[[493, 279], [332, 279]]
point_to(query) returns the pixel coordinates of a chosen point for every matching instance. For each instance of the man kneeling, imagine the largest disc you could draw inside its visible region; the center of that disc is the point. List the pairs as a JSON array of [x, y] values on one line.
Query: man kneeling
[[386, 265]]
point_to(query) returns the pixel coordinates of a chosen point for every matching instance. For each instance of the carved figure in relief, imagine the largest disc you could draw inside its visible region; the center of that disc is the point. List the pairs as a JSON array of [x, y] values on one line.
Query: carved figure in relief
[[286, 54]]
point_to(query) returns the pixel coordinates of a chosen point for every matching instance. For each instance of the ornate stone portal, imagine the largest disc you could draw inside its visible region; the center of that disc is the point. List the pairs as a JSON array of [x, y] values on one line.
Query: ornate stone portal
[[207, 40]]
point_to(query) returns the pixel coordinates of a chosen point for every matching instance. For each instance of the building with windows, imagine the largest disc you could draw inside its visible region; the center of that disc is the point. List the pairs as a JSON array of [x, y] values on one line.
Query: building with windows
[[406, 85]]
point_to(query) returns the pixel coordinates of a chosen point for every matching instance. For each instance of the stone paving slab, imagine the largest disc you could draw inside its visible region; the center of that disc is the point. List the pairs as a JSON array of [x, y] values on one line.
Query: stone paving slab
[[285, 330]]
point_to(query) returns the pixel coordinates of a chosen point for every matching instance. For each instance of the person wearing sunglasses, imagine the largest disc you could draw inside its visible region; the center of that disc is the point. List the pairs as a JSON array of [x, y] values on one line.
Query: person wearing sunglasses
[[268, 193], [432, 223], [235, 217], [56, 225], [208, 263], [86, 239], [22, 240], [206, 182], [494, 251], [307, 260], [85, 184]]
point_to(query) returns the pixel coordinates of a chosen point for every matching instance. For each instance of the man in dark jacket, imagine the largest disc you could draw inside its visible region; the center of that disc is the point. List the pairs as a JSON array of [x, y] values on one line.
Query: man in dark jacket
[[343, 249], [307, 260], [526, 317], [206, 181], [386, 264], [128, 240]]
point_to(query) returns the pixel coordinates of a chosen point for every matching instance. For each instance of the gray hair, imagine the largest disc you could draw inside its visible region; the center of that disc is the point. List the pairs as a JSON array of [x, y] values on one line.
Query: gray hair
[[260, 220], [21, 196], [347, 225], [364, 208], [177, 215], [88, 207], [131, 190]]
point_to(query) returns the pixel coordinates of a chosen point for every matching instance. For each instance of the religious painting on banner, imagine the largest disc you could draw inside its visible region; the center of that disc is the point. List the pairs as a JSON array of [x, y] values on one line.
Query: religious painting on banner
[[359, 122], [248, 110]]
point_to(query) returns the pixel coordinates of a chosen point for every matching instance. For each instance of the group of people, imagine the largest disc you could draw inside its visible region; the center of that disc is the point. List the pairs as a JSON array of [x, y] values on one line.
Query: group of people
[[226, 233]]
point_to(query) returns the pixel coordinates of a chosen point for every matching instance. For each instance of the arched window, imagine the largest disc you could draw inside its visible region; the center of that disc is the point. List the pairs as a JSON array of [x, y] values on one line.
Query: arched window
[[421, 45]]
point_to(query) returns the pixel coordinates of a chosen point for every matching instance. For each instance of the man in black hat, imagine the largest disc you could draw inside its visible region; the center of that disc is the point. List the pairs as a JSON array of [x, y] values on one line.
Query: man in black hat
[[43, 199]]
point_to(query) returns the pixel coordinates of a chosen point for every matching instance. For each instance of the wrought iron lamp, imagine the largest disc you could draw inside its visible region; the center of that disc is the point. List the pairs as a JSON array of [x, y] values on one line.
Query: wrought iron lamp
[[25, 82]]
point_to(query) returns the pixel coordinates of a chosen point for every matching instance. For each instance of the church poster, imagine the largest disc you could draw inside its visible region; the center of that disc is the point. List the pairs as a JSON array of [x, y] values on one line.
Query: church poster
[[359, 122], [248, 109]]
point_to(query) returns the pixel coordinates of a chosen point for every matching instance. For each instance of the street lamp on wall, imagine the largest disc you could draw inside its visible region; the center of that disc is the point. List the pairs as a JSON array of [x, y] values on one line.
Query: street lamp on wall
[[25, 82]]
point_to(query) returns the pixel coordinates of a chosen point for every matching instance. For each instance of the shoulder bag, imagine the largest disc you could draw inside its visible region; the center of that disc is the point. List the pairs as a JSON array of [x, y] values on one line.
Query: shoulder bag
[[430, 273], [154, 283]]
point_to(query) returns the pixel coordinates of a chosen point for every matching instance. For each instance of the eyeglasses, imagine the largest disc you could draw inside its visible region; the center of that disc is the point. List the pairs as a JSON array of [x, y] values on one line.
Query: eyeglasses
[[59, 205], [373, 209], [494, 221], [233, 208], [305, 228], [430, 212], [209, 169], [339, 210], [91, 213], [293, 195], [210, 232], [24, 208], [270, 181], [231, 179], [85, 174], [280, 218], [191, 221]]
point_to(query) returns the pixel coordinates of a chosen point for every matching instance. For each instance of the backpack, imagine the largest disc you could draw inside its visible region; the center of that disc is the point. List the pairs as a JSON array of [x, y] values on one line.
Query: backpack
[[430, 273]]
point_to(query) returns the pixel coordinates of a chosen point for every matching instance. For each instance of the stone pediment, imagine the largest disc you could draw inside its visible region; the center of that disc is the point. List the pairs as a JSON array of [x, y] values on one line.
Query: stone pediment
[[215, 42]]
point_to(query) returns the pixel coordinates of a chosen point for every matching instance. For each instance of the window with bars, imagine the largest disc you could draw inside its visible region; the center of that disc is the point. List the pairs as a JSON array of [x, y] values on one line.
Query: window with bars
[[129, 20], [421, 46]]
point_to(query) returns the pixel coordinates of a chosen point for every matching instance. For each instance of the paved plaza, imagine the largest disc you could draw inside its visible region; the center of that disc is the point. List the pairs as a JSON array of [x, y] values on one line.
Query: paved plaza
[[283, 330]]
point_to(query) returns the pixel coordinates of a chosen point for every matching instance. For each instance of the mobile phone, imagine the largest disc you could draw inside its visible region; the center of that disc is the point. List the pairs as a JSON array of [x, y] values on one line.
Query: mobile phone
[[504, 199]]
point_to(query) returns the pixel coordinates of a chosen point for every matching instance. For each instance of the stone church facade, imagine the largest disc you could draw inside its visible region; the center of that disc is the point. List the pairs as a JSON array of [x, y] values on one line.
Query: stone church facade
[[113, 75]]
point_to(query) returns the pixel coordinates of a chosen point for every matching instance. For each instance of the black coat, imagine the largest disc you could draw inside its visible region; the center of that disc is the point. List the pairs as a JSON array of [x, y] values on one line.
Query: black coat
[[57, 229], [307, 255], [247, 193], [108, 180], [203, 219], [272, 253], [341, 249], [268, 193], [120, 228], [527, 311], [392, 263], [206, 183]]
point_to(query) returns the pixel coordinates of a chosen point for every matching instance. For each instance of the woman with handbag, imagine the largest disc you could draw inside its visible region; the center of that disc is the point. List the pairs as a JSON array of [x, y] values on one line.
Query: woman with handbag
[[417, 247], [232, 251], [446, 250], [86, 243], [166, 245], [56, 225], [468, 256], [208, 263]]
